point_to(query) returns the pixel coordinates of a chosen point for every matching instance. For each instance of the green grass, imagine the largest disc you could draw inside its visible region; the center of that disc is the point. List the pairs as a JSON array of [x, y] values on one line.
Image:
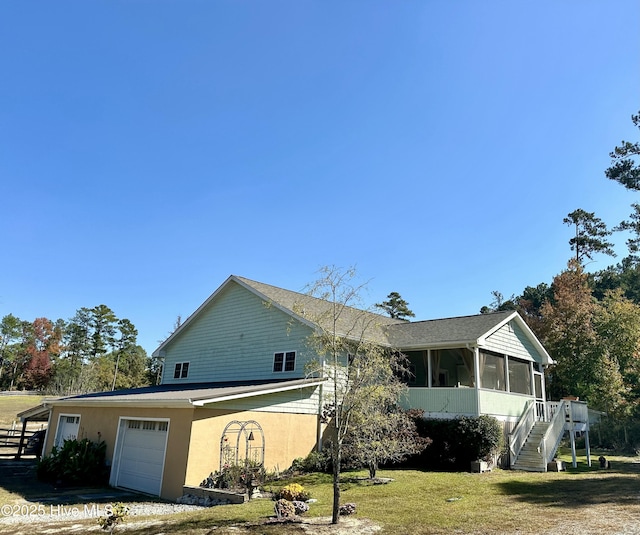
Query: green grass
[[586, 499], [501, 501], [10, 405]]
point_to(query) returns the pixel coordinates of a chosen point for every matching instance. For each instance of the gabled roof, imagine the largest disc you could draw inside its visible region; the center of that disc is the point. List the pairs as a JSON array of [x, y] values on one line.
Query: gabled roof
[[459, 332], [401, 334], [307, 309]]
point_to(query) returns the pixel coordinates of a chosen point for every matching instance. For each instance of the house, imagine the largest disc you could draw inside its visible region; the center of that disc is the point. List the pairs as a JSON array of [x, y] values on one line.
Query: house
[[235, 386]]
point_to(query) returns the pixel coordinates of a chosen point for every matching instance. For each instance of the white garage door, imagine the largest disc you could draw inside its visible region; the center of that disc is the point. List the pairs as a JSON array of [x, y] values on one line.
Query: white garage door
[[142, 445]]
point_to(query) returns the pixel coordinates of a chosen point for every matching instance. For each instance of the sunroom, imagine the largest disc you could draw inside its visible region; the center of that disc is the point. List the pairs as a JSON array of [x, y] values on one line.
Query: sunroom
[[450, 382]]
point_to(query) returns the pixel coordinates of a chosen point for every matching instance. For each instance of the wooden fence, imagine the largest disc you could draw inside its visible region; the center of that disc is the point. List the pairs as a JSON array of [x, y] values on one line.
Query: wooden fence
[[13, 444]]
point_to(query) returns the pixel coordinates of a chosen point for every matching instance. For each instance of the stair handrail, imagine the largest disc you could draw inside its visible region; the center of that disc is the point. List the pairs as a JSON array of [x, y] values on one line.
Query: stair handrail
[[519, 435], [553, 435]]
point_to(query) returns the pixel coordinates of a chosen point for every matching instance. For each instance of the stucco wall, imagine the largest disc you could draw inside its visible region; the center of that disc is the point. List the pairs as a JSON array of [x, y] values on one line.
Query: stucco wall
[[286, 436], [101, 423], [193, 444]]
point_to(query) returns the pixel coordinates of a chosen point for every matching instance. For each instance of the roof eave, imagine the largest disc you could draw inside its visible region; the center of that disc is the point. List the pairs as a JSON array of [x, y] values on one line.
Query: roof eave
[[108, 402], [249, 394], [442, 345]]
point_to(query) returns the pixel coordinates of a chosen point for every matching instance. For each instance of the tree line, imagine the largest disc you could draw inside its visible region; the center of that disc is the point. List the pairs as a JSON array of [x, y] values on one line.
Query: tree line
[[93, 351], [590, 321]]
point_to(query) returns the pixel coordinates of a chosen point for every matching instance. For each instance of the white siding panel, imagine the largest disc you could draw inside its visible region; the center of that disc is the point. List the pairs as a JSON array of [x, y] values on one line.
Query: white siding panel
[[234, 339], [511, 340]]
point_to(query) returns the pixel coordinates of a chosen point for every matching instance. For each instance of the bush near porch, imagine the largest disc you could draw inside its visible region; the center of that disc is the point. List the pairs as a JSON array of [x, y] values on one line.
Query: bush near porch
[[457, 442]]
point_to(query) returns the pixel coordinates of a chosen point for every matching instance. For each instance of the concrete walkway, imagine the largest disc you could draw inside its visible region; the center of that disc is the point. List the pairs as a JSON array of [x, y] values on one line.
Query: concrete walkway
[[20, 477]]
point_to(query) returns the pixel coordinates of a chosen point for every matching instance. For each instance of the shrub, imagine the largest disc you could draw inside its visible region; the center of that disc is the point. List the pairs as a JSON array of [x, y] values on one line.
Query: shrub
[[457, 442], [316, 461], [77, 462], [245, 476], [293, 492], [115, 515], [284, 509]]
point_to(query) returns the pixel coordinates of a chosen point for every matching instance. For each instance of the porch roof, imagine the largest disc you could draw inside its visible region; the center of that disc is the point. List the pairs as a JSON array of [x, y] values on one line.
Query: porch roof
[[448, 331]]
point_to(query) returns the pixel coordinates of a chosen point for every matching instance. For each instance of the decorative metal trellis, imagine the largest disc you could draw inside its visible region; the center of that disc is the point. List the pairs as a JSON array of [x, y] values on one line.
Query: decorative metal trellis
[[232, 441]]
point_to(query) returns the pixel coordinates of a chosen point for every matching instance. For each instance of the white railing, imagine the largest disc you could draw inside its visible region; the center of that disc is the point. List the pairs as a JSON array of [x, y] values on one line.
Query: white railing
[[551, 439], [519, 435], [579, 411]]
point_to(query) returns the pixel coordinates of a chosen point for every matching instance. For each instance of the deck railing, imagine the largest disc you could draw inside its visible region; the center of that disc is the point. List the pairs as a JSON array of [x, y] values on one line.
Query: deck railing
[[553, 434], [519, 435]]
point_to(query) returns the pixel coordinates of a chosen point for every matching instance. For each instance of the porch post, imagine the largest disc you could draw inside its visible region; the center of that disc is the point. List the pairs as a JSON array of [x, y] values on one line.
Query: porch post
[[532, 379], [587, 446], [507, 385], [547, 415], [572, 434], [476, 373], [476, 367], [429, 374], [21, 444]]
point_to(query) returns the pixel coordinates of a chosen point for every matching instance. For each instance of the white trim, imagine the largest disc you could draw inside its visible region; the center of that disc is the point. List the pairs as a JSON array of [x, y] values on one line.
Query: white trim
[[203, 402], [181, 364], [284, 361]]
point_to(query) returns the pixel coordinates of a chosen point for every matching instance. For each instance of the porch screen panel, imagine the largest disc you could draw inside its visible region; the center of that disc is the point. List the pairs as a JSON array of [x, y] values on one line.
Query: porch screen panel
[[519, 376], [492, 371]]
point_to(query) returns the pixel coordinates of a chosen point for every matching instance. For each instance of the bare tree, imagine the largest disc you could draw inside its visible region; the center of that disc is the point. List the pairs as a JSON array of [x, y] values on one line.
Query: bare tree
[[354, 357]]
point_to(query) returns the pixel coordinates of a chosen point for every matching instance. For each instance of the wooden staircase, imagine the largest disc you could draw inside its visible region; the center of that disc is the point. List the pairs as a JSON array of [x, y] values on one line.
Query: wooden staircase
[[530, 457], [535, 440]]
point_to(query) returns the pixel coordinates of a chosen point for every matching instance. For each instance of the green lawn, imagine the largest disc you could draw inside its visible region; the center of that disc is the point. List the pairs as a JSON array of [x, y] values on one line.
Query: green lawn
[[12, 404], [502, 501], [582, 500]]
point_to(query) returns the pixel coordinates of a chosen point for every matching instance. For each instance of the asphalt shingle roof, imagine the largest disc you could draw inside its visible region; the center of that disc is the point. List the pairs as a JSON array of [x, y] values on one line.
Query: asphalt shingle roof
[[319, 311], [382, 329], [444, 331]]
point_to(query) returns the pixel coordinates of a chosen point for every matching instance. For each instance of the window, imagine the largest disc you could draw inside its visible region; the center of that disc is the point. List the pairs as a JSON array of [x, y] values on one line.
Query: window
[[284, 361], [181, 371]]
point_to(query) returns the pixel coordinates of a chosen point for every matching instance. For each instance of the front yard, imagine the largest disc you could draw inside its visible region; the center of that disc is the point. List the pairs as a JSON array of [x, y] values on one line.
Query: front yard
[[580, 501]]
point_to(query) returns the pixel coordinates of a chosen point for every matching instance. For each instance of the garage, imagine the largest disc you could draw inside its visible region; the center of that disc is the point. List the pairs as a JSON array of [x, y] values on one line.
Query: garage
[[140, 452]]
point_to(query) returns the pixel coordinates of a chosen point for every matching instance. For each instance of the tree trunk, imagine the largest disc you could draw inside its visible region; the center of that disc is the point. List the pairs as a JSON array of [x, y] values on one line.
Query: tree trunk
[[335, 516], [373, 469]]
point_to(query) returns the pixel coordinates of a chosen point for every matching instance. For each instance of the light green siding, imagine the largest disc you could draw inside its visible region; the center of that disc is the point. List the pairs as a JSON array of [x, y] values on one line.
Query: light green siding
[[443, 401], [502, 404], [511, 340], [235, 339]]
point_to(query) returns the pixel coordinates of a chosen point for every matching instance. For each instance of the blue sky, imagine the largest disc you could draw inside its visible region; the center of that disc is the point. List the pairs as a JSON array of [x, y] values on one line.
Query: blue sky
[[149, 149]]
